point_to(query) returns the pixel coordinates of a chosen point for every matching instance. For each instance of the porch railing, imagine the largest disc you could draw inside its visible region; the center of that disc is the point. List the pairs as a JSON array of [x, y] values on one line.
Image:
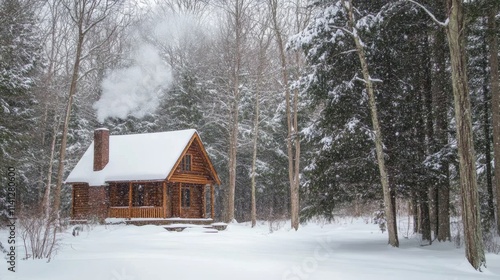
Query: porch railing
[[135, 212]]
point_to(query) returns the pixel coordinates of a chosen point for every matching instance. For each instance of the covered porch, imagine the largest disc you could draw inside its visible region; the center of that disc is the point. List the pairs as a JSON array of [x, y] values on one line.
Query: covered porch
[[160, 200]]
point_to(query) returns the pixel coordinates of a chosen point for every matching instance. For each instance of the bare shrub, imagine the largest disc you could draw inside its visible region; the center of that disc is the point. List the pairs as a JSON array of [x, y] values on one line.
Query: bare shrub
[[39, 235], [276, 220]]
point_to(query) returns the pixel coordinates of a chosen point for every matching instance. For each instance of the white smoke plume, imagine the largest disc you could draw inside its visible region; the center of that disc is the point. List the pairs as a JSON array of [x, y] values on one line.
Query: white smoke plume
[[134, 90]]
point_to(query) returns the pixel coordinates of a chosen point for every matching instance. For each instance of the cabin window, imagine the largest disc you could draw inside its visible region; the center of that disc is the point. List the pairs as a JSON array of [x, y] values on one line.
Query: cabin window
[[186, 197], [186, 163], [138, 195], [119, 195], [153, 195]]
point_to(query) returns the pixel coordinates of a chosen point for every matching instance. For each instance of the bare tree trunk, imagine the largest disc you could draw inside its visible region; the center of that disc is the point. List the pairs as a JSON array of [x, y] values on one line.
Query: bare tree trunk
[[440, 108], [425, 136], [233, 143], [415, 212], [69, 104], [46, 195], [54, 9], [253, 214], [295, 202], [237, 15], [292, 139], [495, 103], [425, 223], [490, 216], [264, 41], [467, 163], [85, 14], [384, 178]]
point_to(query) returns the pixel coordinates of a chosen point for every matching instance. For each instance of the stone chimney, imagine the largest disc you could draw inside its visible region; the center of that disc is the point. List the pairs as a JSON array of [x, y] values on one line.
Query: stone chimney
[[101, 148]]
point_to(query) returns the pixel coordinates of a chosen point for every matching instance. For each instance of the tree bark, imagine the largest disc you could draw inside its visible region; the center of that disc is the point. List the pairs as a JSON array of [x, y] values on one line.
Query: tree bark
[[46, 196], [440, 108], [45, 205], [85, 14], [260, 67], [425, 223], [292, 139], [490, 216], [384, 177], [253, 214], [455, 31], [237, 15], [495, 103], [69, 104], [414, 211], [426, 129]]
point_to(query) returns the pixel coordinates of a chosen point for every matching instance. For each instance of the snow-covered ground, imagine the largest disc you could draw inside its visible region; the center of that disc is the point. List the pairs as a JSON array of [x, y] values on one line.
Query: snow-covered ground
[[351, 249]]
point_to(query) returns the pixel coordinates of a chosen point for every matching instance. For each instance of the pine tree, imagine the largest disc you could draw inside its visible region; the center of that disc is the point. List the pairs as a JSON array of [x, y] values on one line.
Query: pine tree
[[20, 64]]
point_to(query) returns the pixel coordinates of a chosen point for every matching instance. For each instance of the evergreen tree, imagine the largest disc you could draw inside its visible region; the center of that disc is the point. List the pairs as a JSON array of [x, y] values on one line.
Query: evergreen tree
[[20, 64]]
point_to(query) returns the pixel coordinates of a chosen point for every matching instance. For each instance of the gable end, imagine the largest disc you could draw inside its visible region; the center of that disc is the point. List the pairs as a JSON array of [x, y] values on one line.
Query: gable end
[[202, 170]]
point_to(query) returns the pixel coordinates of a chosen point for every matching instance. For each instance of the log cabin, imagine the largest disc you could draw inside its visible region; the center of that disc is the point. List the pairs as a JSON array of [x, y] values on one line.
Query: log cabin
[[155, 176]]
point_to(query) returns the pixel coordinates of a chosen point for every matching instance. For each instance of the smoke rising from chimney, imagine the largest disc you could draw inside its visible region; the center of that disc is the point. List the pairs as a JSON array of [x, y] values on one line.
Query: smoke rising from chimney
[[134, 90]]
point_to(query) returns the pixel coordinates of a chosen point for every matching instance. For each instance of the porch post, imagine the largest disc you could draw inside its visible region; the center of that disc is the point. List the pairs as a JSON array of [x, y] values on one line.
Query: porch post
[[164, 199], [212, 212], [180, 200], [130, 200], [203, 201], [73, 202]]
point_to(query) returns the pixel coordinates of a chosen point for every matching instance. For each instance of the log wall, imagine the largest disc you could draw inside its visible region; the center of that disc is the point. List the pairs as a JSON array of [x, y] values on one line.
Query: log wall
[[175, 200]]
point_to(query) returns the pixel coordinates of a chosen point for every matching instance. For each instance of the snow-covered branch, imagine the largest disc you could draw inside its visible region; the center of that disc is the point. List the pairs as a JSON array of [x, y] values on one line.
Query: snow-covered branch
[[440, 23]]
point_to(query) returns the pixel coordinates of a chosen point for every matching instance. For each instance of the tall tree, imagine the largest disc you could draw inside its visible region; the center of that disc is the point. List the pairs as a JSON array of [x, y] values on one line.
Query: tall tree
[[235, 12], [263, 41], [85, 15], [440, 108], [367, 79], [292, 139], [455, 31], [495, 99], [20, 67]]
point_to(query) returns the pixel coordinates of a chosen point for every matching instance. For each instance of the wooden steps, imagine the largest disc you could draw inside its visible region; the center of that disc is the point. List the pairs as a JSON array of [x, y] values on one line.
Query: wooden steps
[[212, 228]]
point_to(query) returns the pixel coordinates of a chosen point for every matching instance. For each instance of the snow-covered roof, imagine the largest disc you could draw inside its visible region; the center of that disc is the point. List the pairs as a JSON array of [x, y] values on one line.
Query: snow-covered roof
[[149, 156]]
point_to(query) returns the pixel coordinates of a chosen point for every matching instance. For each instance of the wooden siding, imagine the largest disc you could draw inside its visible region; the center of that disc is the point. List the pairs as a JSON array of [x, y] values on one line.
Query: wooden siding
[[80, 201], [174, 193], [200, 172]]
